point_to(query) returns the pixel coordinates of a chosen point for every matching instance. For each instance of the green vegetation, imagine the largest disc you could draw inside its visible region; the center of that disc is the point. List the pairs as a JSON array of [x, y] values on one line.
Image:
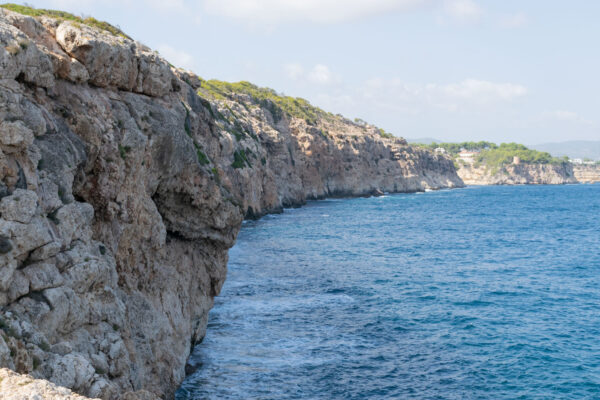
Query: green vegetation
[[216, 175], [240, 159], [385, 134], [238, 130], [65, 16], [495, 156], [455, 148], [202, 158], [504, 154], [276, 103], [123, 150]]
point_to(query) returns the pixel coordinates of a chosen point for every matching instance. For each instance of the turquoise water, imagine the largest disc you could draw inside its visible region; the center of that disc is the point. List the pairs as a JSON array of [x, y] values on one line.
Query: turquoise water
[[476, 293]]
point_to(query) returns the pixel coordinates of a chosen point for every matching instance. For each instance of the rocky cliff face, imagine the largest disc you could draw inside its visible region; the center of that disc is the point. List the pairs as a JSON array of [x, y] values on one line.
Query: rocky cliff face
[[121, 191], [587, 173], [520, 174]]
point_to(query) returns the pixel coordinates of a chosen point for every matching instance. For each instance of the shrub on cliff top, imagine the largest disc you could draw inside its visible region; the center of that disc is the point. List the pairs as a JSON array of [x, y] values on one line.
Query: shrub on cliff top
[[385, 134], [265, 97], [455, 148], [62, 15]]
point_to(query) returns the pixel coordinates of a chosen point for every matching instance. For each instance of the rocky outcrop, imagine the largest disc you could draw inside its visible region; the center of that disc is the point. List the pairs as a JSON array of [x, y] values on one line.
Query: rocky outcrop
[[121, 191], [517, 174], [15, 386], [587, 173]]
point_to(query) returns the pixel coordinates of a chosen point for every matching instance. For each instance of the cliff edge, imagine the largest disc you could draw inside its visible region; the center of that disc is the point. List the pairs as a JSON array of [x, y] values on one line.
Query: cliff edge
[[487, 163], [124, 182], [521, 174], [587, 173]]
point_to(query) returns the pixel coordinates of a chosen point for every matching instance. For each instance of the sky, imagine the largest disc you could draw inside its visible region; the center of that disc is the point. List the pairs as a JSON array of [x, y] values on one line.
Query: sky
[[453, 70]]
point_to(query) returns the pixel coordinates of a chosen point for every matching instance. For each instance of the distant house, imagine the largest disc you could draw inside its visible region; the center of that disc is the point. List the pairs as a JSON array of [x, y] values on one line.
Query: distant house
[[578, 161], [440, 150], [467, 156]]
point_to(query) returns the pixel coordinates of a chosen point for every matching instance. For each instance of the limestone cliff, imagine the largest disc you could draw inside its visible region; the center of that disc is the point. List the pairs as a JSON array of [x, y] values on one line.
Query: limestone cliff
[[519, 174], [122, 189], [587, 173]]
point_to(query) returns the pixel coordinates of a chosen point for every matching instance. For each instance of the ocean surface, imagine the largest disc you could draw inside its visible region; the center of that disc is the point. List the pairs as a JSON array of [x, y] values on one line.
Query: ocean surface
[[475, 293]]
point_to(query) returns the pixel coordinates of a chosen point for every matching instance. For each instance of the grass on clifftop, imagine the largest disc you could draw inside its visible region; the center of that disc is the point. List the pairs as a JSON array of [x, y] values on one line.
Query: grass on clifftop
[[495, 156], [65, 16], [268, 98], [278, 104]]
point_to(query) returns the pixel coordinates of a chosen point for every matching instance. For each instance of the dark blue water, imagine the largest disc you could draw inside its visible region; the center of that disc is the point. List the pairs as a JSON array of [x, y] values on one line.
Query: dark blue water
[[477, 293]]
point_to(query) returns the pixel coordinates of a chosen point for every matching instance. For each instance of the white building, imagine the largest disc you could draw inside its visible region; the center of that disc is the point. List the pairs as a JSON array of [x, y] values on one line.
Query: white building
[[440, 150]]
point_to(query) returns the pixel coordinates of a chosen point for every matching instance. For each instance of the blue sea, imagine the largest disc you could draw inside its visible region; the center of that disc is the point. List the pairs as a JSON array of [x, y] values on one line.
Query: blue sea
[[476, 293]]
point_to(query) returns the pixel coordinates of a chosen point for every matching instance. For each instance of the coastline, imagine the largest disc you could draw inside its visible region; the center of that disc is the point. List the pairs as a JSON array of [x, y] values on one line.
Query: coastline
[[125, 181]]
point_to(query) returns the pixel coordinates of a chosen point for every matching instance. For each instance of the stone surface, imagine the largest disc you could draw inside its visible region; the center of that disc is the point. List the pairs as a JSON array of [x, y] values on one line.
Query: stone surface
[[19, 207], [14, 386], [587, 173], [129, 199]]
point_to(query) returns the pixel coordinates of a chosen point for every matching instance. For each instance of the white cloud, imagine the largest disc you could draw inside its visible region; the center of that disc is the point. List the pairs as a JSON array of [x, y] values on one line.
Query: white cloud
[[394, 94], [474, 89], [294, 71], [74, 5], [319, 11], [568, 116], [165, 5], [321, 74], [514, 21], [463, 10], [176, 57]]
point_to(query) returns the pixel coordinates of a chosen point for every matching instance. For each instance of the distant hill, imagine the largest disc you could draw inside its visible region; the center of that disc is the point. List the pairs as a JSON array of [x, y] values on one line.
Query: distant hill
[[572, 149]]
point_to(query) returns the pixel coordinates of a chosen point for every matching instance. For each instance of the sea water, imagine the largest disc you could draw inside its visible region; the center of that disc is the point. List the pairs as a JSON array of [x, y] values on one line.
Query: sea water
[[475, 293]]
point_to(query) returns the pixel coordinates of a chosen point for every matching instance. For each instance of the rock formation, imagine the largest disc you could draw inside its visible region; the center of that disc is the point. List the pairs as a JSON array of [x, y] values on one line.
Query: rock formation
[[14, 386], [517, 174], [587, 173], [122, 189]]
